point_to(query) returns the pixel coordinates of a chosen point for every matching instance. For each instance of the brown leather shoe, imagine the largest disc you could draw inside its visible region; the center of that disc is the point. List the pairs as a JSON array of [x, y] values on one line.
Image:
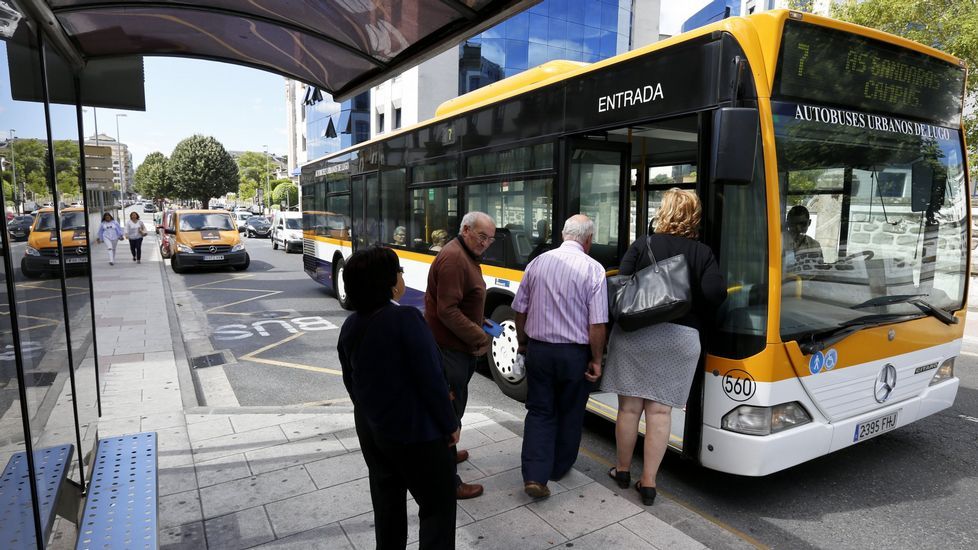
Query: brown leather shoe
[[461, 456], [536, 490], [468, 490]]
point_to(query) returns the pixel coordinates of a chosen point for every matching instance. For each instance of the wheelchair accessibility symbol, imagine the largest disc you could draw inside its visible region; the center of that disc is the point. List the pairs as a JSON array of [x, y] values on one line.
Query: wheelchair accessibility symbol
[[826, 361]]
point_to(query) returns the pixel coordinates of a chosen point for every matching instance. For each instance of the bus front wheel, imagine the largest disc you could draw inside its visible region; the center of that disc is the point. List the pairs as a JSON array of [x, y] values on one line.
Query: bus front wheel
[[502, 356], [339, 286]]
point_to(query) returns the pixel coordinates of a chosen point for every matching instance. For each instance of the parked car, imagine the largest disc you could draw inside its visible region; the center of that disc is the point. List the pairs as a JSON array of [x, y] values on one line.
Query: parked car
[[20, 227], [240, 217], [149, 208], [41, 253], [203, 238], [287, 231], [258, 226]]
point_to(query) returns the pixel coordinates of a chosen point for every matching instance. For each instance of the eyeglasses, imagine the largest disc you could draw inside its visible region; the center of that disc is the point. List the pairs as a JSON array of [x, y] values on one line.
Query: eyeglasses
[[483, 238], [400, 269]]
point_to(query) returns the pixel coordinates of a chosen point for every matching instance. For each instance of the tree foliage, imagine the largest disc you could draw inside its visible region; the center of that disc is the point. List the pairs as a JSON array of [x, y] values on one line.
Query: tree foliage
[[285, 192], [152, 177], [30, 160], [948, 25], [200, 168]]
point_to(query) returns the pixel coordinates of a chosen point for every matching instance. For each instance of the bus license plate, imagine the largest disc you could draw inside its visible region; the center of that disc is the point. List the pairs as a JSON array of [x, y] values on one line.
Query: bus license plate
[[875, 427], [213, 258], [76, 260]]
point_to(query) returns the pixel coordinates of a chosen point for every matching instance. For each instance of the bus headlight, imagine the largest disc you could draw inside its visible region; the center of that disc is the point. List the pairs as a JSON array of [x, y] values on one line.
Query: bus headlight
[[238, 247], [184, 248], [944, 372], [754, 420], [31, 251]]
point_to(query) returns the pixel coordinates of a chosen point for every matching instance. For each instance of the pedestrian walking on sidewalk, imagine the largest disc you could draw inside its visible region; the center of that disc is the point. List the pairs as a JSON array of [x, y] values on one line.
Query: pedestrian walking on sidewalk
[[135, 231], [403, 414], [651, 369], [561, 310], [109, 232], [454, 307]]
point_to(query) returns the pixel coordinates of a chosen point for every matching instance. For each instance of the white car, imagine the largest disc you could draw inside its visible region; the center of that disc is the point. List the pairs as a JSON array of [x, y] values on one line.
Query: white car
[[287, 231], [240, 217]]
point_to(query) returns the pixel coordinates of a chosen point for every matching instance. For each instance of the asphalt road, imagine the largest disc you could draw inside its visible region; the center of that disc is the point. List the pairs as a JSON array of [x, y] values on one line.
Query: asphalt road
[[915, 487]]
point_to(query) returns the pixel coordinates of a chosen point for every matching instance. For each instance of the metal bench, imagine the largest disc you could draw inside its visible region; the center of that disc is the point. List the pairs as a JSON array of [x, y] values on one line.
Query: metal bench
[[17, 528], [122, 506]]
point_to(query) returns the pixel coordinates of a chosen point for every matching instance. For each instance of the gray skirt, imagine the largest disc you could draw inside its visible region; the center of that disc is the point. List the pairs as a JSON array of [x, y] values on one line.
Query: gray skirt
[[655, 363]]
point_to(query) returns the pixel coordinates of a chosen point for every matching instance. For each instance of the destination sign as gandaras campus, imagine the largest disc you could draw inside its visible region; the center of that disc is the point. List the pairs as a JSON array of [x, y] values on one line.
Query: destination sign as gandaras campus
[[830, 66]]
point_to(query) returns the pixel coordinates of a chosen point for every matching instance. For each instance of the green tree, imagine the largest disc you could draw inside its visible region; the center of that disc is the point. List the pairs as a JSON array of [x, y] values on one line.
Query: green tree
[[152, 177], [285, 191], [247, 190], [948, 25], [200, 168]]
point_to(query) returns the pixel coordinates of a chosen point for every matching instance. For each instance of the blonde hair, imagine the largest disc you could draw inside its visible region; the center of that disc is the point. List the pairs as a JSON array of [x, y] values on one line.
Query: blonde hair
[[679, 214]]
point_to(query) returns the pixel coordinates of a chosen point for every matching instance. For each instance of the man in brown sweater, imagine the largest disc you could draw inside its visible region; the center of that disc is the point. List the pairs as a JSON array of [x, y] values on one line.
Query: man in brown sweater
[[454, 305]]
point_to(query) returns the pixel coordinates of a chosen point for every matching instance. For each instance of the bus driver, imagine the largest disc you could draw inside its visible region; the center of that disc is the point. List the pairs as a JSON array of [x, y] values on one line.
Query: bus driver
[[799, 248]]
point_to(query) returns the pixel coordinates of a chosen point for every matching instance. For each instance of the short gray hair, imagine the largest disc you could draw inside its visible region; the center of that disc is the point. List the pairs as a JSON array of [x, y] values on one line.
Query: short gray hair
[[578, 228], [470, 218]]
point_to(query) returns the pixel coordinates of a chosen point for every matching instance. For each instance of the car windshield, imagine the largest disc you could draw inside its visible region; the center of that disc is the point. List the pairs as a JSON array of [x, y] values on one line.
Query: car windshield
[[293, 223], [199, 222], [875, 219], [257, 220], [69, 221]]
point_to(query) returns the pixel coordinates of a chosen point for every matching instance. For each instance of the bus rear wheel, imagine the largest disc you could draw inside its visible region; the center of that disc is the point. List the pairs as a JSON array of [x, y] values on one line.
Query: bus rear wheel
[[339, 286], [502, 356]]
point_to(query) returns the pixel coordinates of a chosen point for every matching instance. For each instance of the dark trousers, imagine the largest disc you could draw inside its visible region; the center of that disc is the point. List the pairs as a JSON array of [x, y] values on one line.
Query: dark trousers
[[136, 247], [555, 399], [459, 368], [425, 469]]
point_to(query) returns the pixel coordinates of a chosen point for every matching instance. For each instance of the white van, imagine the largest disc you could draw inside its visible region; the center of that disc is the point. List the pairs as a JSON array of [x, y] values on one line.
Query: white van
[[287, 231], [240, 218]]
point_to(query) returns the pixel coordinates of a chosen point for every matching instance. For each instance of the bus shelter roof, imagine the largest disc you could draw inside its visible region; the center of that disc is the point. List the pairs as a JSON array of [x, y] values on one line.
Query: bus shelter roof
[[340, 46]]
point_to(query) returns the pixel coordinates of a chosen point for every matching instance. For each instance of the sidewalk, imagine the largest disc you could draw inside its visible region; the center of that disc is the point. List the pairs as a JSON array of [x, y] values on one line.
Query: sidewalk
[[294, 478]]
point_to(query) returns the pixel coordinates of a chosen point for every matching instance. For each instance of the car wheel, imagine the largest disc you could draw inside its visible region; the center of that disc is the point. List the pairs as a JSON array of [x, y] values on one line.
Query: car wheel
[[502, 356], [243, 266], [28, 272], [339, 286], [274, 244], [175, 265], [251, 234]]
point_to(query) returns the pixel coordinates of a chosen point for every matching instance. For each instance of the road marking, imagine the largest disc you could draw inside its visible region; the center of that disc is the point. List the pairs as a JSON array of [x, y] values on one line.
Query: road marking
[[252, 357], [232, 278], [968, 418], [971, 353], [266, 295], [603, 461]]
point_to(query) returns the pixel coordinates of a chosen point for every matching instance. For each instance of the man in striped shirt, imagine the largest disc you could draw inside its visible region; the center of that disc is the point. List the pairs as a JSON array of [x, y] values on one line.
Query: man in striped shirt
[[561, 310]]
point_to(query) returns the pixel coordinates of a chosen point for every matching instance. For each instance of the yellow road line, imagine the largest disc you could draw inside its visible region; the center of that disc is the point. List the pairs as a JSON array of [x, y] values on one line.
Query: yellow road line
[[252, 357], [268, 294]]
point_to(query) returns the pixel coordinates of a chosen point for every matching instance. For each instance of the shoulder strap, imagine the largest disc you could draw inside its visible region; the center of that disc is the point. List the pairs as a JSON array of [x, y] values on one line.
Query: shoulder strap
[[648, 245]]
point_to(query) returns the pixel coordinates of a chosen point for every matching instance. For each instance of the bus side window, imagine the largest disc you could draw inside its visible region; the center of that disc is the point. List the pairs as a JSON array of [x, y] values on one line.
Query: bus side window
[[434, 218]]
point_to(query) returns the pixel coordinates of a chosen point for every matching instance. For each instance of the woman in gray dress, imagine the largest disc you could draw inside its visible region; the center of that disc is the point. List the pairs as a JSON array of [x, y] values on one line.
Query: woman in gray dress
[[651, 369]]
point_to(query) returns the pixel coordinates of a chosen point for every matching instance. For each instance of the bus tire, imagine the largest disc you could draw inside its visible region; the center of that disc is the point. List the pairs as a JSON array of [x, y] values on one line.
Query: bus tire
[[339, 287], [502, 355]]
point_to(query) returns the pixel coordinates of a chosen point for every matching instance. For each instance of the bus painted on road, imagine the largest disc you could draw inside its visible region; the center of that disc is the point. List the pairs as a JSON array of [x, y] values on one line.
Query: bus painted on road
[[856, 132]]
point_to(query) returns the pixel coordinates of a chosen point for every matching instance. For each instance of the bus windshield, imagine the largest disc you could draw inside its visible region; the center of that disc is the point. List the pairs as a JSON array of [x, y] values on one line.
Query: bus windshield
[[199, 222], [874, 217]]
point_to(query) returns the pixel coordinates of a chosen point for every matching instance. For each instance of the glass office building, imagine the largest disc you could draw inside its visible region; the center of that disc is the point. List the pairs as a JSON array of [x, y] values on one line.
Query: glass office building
[[553, 29], [333, 126]]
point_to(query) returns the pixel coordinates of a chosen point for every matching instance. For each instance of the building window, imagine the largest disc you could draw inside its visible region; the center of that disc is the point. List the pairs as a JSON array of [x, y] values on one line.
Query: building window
[[397, 118], [380, 123]]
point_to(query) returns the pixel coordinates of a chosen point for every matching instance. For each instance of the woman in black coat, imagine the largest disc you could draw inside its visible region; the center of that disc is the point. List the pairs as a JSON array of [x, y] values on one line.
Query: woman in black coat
[[652, 369], [404, 417]]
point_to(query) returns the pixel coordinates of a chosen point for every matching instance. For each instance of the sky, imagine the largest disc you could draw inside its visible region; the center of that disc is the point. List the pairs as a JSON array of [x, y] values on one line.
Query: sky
[[243, 108]]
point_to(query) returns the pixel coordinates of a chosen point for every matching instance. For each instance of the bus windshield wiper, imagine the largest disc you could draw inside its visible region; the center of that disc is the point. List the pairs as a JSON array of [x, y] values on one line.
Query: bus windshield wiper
[[915, 299], [820, 340]]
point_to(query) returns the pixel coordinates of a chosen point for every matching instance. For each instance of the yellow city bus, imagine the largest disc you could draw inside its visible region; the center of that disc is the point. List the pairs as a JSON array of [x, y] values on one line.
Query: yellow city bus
[[839, 326]]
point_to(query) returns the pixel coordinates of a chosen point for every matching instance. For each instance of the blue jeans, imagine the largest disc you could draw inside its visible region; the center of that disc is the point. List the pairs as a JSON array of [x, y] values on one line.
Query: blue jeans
[[556, 396]]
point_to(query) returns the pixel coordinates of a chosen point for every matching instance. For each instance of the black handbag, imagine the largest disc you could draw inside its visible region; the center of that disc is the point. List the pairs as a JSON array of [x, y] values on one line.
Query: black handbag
[[655, 294]]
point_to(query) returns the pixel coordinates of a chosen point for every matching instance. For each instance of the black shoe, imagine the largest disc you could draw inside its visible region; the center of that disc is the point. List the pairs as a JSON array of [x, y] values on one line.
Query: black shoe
[[623, 479], [647, 493]]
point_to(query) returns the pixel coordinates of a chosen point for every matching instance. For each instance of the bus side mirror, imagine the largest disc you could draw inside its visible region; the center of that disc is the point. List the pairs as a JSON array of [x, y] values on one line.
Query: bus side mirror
[[734, 145]]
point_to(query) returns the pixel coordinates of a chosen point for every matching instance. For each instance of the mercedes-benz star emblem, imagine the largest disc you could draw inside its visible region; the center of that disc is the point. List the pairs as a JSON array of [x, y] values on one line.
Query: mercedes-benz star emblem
[[80, 250], [885, 383], [212, 249]]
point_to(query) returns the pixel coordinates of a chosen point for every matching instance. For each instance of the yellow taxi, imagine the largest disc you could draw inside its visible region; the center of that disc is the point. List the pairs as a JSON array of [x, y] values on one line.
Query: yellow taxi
[[205, 238], [41, 253]]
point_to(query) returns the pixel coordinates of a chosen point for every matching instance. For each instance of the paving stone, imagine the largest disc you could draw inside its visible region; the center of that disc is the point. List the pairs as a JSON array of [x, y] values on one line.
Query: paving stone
[[176, 480], [328, 537], [293, 453], [360, 529], [516, 529], [232, 496], [247, 422], [217, 447], [503, 492], [189, 536], [321, 507], [583, 510], [498, 457], [172, 439], [575, 479], [179, 508], [216, 427], [471, 418], [222, 469], [239, 530], [349, 439], [472, 438], [319, 425], [153, 422], [659, 533], [337, 470], [612, 536], [494, 431], [469, 473]]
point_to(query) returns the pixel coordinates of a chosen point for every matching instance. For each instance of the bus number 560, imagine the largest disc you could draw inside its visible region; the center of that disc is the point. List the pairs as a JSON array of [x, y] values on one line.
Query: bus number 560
[[739, 385]]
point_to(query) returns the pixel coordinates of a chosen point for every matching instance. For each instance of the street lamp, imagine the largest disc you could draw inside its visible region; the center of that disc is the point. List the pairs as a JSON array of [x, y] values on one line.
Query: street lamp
[[268, 189], [13, 169], [122, 160]]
